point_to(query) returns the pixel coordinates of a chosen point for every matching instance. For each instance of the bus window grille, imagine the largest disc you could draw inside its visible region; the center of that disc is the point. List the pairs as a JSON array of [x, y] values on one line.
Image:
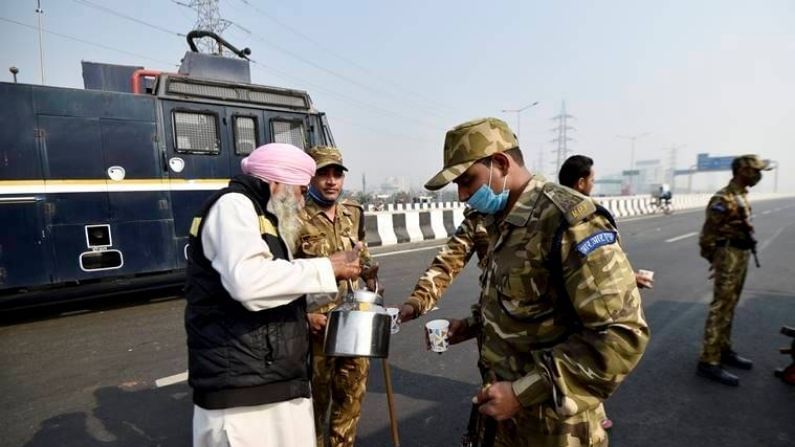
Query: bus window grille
[[290, 132], [196, 132], [245, 135]]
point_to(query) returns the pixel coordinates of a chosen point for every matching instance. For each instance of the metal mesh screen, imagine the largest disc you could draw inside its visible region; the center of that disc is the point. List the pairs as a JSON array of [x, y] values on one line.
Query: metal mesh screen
[[291, 132], [294, 100], [245, 134], [196, 132]]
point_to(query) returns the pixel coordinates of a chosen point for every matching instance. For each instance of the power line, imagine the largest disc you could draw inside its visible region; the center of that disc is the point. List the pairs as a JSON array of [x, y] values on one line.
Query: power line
[[94, 44], [344, 59], [316, 87], [127, 17]]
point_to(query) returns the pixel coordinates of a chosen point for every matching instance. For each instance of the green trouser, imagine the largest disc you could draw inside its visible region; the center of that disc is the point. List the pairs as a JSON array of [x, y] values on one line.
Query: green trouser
[[338, 387], [541, 426], [730, 268]]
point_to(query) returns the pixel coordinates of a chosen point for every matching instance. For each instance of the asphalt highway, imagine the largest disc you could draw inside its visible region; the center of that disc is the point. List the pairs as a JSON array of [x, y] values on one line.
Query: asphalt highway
[[113, 373]]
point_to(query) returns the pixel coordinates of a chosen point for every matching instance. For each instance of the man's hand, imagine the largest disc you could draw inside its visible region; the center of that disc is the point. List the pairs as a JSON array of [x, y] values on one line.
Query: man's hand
[[643, 282], [317, 323], [498, 401], [370, 277], [346, 263], [456, 333]]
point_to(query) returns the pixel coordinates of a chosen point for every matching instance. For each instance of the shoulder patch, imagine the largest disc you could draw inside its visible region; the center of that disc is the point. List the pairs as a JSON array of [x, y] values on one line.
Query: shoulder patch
[[574, 206], [596, 240], [718, 207]]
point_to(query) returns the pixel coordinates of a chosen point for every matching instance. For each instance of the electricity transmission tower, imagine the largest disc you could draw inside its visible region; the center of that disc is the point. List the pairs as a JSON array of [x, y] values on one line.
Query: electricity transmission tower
[[562, 136], [208, 19]]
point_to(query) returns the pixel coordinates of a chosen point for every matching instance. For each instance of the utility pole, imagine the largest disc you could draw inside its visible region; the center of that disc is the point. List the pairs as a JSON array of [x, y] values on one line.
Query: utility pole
[[364, 184], [672, 164], [209, 19], [632, 139], [40, 13], [540, 165], [518, 113], [562, 136]]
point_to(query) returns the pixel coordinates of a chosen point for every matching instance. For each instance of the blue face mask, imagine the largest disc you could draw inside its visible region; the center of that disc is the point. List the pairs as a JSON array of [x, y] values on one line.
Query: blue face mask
[[318, 197], [484, 200]]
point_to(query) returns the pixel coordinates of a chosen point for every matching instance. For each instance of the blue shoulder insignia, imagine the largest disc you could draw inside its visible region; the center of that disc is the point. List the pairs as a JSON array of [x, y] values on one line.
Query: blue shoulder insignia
[[718, 207], [595, 241]]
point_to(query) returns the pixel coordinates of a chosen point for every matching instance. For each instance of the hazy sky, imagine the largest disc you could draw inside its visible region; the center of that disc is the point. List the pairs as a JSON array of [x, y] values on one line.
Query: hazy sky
[[709, 76]]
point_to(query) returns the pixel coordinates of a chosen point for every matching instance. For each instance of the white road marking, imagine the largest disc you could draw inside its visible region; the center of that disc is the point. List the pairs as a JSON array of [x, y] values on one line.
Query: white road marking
[[171, 380], [411, 250], [768, 241], [684, 236], [767, 212]]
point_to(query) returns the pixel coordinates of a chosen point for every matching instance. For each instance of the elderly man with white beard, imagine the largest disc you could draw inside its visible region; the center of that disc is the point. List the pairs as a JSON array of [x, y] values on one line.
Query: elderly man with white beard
[[248, 340]]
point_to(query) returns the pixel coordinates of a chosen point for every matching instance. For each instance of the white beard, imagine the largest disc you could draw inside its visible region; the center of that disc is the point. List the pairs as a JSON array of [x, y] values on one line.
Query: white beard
[[286, 208]]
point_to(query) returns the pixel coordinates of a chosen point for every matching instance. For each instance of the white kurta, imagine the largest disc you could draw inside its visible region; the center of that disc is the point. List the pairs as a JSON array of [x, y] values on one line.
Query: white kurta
[[234, 246]]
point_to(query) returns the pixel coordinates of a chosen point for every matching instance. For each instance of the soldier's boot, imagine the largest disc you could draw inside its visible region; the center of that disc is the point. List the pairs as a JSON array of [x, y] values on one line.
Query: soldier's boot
[[717, 373], [731, 358]]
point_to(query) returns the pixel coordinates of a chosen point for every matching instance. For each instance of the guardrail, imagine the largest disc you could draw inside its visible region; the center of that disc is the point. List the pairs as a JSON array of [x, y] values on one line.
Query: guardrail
[[417, 222]]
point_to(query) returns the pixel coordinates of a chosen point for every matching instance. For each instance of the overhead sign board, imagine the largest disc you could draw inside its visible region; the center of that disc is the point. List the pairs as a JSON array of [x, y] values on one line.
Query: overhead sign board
[[706, 163]]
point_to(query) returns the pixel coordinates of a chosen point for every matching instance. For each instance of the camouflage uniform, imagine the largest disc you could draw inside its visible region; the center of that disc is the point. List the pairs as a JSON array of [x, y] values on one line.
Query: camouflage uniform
[[565, 346], [725, 243], [470, 237], [338, 383]]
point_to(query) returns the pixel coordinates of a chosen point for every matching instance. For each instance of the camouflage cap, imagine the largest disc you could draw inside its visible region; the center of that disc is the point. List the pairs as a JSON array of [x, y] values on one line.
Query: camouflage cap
[[326, 156], [469, 142], [753, 161]]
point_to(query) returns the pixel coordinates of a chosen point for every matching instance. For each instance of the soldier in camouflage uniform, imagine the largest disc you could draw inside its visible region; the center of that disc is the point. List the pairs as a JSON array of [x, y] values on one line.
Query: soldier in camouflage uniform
[[558, 331], [726, 240], [470, 237], [338, 383]]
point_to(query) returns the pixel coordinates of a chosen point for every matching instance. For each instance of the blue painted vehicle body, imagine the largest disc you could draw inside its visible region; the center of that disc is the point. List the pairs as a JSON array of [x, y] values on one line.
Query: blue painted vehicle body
[[98, 186]]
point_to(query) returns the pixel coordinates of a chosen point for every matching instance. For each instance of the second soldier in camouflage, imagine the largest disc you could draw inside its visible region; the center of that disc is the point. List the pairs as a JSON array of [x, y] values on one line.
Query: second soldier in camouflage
[[330, 225]]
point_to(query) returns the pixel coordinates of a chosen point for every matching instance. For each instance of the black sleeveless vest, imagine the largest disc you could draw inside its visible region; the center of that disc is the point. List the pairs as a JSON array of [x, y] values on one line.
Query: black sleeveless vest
[[237, 357]]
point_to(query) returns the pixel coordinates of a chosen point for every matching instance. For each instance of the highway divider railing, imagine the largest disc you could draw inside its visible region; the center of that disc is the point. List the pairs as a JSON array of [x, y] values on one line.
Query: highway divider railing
[[417, 222]]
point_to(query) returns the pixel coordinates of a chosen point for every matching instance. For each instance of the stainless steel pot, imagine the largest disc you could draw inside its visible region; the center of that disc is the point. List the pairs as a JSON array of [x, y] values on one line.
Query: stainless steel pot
[[357, 333]]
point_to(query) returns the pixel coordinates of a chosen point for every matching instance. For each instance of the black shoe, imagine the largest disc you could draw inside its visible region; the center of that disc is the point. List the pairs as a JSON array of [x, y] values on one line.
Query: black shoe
[[730, 358], [717, 373]]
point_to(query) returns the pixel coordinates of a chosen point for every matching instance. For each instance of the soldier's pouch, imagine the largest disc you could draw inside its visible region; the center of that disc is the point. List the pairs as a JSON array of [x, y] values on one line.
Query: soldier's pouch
[[523, 292], [314, 245]]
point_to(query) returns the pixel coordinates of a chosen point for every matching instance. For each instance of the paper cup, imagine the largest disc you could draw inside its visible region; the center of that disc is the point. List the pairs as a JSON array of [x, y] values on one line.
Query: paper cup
[[394, 314], [437, 334], [646, 274]]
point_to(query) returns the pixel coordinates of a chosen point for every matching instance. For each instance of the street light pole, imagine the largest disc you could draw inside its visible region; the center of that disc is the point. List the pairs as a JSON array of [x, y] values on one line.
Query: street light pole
[[518, 113], [632, 139]]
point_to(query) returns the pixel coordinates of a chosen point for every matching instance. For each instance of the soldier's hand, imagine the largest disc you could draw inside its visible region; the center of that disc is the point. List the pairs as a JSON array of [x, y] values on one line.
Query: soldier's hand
[[498, 401], [644, 282], [346, 263], [457, 332], [407, 313], [317, 322]]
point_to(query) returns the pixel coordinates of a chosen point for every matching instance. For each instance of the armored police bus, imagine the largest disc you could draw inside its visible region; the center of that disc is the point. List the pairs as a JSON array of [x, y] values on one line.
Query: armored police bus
[[98, 186]]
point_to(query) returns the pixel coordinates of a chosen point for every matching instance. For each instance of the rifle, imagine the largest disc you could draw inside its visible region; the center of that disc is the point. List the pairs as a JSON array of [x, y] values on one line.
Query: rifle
[[749, 230], [481, 429]]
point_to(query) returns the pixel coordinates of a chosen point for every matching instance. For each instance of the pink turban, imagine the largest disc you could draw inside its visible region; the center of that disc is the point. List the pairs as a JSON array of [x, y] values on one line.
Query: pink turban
[[279, 162]]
